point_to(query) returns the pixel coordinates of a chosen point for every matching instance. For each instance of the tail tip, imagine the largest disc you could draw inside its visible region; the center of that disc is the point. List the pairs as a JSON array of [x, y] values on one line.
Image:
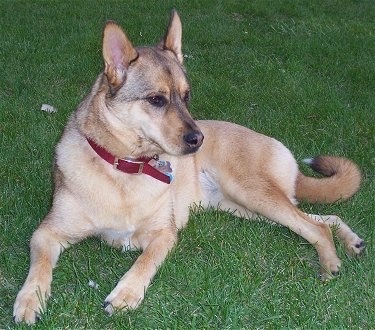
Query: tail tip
[[308, 161], [322, 164]]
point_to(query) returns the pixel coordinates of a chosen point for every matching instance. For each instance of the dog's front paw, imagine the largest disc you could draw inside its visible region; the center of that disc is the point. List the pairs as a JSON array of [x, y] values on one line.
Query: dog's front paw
[[355, 245], [28, 306], [123, 297], [330, 268]]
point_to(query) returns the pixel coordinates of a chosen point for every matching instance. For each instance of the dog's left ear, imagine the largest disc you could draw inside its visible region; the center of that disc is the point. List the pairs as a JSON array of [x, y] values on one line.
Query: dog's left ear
[[173, 37], [118, 53]]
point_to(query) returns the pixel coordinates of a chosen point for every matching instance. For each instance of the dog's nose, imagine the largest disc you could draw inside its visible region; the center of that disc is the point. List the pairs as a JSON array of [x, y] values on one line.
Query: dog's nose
[[194, 139]]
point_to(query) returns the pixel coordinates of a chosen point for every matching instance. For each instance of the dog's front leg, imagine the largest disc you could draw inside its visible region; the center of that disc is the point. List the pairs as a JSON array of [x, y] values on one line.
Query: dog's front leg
[[130, 290], [45, 248]]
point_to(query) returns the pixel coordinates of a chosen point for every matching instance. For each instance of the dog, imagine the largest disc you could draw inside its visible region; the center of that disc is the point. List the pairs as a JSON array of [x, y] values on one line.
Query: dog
[[131, 163]]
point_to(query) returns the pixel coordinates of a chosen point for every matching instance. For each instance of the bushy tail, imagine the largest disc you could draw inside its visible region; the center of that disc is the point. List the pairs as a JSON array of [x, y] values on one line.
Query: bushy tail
[[341, 180]]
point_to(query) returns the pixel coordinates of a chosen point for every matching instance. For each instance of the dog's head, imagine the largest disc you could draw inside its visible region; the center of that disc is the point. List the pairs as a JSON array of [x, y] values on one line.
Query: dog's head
[[147, 93]]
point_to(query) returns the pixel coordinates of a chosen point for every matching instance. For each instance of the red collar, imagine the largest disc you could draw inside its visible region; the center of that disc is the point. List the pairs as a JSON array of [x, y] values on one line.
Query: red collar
[[131, 166]]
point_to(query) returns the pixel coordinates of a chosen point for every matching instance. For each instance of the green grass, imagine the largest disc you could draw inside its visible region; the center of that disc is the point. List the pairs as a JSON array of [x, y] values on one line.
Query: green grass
[[301, 71]]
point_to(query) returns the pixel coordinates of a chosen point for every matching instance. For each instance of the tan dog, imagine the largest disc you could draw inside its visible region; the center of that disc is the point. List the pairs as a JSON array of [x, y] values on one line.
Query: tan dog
[[138, 108]]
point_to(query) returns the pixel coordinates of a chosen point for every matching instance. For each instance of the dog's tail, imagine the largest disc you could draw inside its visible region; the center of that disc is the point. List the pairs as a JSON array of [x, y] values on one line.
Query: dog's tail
[[341, 180]]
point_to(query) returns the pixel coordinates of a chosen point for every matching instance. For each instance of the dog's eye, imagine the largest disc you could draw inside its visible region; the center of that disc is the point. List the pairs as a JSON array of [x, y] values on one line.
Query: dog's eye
[[157, 101], [187, 97]]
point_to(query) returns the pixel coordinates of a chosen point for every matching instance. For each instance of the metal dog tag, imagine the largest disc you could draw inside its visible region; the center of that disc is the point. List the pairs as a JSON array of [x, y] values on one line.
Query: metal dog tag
[[163, 166]]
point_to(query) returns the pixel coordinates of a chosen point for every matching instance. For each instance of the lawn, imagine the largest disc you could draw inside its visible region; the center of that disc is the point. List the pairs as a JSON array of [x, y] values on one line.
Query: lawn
[[300, 71]]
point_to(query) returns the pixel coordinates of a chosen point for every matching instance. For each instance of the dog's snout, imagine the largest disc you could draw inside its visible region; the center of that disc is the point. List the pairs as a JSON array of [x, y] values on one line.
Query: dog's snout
[[194, 139]]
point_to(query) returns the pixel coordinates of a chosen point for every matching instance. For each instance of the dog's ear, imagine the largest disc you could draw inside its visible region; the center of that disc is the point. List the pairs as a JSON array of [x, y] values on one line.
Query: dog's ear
[[118, 53], [173, 37]]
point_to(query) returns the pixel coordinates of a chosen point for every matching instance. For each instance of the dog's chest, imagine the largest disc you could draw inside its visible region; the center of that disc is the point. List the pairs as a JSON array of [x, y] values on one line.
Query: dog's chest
[[120, 239]]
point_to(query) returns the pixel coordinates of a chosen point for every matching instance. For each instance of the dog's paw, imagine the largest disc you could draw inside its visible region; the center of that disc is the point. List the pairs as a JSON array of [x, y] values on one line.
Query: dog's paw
[[28, 307], [330, 269], [355, 245], [122, 298]]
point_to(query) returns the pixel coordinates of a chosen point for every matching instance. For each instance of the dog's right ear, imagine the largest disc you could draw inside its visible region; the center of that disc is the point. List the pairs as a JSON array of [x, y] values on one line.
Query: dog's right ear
[[118, 53]]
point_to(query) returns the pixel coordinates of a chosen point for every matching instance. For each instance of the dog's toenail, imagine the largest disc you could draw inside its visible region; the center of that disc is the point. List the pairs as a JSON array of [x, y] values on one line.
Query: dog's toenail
[[362, 244], [106, 303], [14, 319], [335, 273]]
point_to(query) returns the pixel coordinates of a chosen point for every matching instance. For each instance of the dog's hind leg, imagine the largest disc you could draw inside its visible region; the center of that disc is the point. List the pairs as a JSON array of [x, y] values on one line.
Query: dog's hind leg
[[354, 245], [272, 203], [129, 291]]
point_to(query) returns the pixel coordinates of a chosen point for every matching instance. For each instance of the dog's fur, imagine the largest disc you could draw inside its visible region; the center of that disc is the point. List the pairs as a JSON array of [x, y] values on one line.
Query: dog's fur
[[139, 107]]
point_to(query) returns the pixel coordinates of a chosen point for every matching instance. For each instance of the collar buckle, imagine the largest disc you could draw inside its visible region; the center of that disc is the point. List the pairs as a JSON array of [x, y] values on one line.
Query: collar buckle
[[137, 162], [140, 164], [115, 163]]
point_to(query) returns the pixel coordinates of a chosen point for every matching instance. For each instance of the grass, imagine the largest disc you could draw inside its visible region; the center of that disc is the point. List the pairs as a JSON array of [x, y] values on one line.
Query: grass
[[300, 71]]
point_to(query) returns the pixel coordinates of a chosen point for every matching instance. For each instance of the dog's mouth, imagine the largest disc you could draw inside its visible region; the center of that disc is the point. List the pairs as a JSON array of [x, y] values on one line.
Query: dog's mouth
[[152, 146]]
